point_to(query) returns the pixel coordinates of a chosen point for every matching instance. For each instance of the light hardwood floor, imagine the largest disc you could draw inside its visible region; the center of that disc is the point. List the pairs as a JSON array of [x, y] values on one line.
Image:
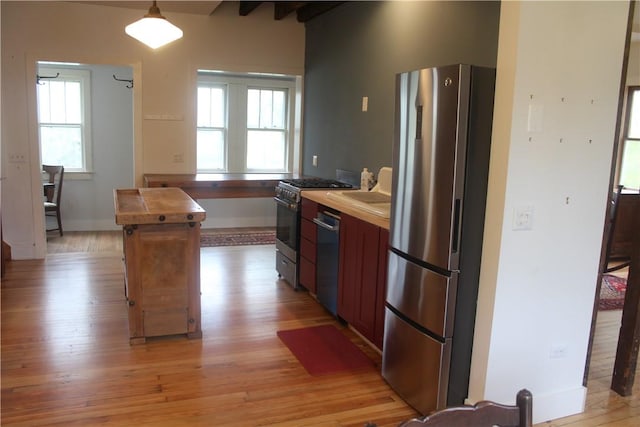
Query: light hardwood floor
[[66, 358]]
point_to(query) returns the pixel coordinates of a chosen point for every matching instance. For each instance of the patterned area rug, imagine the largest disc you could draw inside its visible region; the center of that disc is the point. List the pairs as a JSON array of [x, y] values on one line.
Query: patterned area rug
[[236, 237], [612, 292]]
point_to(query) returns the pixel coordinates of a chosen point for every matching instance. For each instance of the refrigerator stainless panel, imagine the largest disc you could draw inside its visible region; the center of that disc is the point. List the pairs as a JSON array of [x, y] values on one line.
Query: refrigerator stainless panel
[[423, 296], [421, 379], [429, 155], [441, 152]]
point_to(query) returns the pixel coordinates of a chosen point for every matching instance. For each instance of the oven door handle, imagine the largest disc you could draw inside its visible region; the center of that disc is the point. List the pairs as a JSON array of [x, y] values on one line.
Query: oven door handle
[[290, 206]]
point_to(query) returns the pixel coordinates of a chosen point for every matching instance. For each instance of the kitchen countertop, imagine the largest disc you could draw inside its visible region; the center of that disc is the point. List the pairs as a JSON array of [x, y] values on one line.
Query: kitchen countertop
[[320, 196], [220, 185]]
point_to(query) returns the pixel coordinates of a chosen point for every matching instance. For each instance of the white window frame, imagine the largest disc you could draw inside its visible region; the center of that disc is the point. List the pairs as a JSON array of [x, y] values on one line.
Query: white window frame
[[237, 86], [628, 139], [83, 76]]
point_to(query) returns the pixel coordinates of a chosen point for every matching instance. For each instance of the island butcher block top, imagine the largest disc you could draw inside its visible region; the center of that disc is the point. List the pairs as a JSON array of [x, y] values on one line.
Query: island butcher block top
[[155, 205]]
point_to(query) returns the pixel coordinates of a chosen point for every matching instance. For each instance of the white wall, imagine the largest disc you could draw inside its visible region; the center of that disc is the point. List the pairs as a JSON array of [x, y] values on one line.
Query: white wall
[[165, 82], [537, 287]]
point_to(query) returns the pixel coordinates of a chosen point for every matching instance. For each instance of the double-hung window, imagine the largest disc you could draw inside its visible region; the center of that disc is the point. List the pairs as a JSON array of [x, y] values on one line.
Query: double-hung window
[[244, 123], [630, 165], [64, 117], [212, 127]]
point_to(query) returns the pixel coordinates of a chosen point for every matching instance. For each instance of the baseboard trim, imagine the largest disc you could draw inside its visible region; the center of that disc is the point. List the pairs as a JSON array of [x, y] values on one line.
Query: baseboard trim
[[563, 403]]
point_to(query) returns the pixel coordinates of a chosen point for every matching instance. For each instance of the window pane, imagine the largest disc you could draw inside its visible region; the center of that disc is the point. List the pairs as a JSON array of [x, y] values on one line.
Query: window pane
[[44, 102], [211, 107], [61, 146], [204, 107], [265, 150], [266, 108], [630, 170], [73, 103], [210, 151], [278, 109], [634, 116], [217, 107], [253, 108], [58, 104]]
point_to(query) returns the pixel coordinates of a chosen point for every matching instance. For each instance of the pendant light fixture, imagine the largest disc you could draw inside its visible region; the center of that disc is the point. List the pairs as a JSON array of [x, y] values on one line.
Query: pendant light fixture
[[153, 29]]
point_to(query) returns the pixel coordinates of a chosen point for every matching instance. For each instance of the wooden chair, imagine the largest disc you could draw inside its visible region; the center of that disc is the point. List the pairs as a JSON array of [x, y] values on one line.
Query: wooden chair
[[52, 193], [482, 414], [620, 260]]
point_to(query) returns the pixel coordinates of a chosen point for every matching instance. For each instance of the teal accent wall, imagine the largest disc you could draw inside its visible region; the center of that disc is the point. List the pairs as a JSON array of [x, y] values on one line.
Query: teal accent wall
[[356, 49]]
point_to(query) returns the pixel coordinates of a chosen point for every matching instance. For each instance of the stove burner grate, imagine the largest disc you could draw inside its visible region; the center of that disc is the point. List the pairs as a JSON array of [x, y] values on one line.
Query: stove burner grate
[[316, 183]]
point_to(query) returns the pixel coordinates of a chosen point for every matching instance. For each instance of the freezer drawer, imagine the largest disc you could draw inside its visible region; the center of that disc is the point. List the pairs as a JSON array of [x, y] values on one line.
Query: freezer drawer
[[425, 297], [415, 365]]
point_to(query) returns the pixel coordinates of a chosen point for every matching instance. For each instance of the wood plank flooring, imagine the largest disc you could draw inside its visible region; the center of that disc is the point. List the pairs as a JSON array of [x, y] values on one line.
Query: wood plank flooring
[[66, 358]]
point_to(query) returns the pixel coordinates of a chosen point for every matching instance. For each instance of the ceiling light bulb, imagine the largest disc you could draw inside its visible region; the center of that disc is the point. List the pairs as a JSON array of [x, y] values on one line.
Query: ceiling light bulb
[[153, 29]]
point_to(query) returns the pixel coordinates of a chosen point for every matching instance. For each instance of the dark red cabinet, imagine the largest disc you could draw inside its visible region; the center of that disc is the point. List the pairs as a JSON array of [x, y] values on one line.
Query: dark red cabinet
[[383, 257], [362, 276], [308, 240]]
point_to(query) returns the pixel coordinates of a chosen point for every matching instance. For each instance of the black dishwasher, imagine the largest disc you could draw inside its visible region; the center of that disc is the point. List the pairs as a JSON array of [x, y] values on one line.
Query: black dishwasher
[[328, 248]]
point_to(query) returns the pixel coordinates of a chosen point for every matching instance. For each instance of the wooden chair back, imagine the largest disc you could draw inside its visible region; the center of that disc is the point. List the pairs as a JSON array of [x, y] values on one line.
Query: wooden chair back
[[482, 414], [619, 259], [55, 176]]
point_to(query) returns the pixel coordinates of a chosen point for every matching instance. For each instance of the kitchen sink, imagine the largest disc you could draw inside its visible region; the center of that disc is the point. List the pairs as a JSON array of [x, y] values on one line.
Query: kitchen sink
[[373, 202], [367, 196]]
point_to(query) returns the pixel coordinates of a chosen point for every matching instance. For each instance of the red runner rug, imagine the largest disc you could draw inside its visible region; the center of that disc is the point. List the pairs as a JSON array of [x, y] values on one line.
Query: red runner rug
[[324, 350], [612, 292]]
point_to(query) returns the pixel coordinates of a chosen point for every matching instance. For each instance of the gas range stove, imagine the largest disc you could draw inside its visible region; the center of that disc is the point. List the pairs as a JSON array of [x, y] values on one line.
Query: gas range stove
[[288, 219], [307, 183], [289, 189]]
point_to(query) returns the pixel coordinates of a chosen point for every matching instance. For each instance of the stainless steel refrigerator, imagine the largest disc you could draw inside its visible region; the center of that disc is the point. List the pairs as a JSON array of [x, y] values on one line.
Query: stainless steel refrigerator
[[440, 170]]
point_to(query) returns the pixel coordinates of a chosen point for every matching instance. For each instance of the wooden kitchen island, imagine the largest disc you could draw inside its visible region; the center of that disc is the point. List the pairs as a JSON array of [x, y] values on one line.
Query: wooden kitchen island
[[161, 241]]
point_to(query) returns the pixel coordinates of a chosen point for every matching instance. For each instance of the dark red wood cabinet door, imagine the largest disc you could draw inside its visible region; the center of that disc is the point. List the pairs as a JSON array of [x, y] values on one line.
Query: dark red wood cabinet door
[[368, 238], [381, 290], [347, 269]]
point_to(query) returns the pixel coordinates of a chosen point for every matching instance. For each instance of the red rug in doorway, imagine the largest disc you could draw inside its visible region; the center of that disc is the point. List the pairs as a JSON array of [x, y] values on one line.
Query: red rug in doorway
[[612, 292], [324, 350]]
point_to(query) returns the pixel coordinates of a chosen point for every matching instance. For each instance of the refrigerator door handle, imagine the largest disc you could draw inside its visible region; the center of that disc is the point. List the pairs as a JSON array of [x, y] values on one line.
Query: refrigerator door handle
[[456, 226]]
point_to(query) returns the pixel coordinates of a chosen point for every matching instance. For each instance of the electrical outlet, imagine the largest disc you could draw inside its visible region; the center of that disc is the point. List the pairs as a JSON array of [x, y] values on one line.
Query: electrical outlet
[[523, 218], [178, 158], [558, 351], [314, 161]]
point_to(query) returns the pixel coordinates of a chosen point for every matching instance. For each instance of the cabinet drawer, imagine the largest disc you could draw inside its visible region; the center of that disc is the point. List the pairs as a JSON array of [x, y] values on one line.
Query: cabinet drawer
[[308, 275], [308, 250], [308, 230], [309, 209]]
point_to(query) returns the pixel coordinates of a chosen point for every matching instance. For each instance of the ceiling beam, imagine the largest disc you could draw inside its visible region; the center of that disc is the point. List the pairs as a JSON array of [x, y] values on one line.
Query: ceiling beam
[[283, 8], [246, 7], [315, 8]]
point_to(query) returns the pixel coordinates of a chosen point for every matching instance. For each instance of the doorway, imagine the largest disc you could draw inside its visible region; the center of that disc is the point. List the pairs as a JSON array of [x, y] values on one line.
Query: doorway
[[93, 139], [621, 174]]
